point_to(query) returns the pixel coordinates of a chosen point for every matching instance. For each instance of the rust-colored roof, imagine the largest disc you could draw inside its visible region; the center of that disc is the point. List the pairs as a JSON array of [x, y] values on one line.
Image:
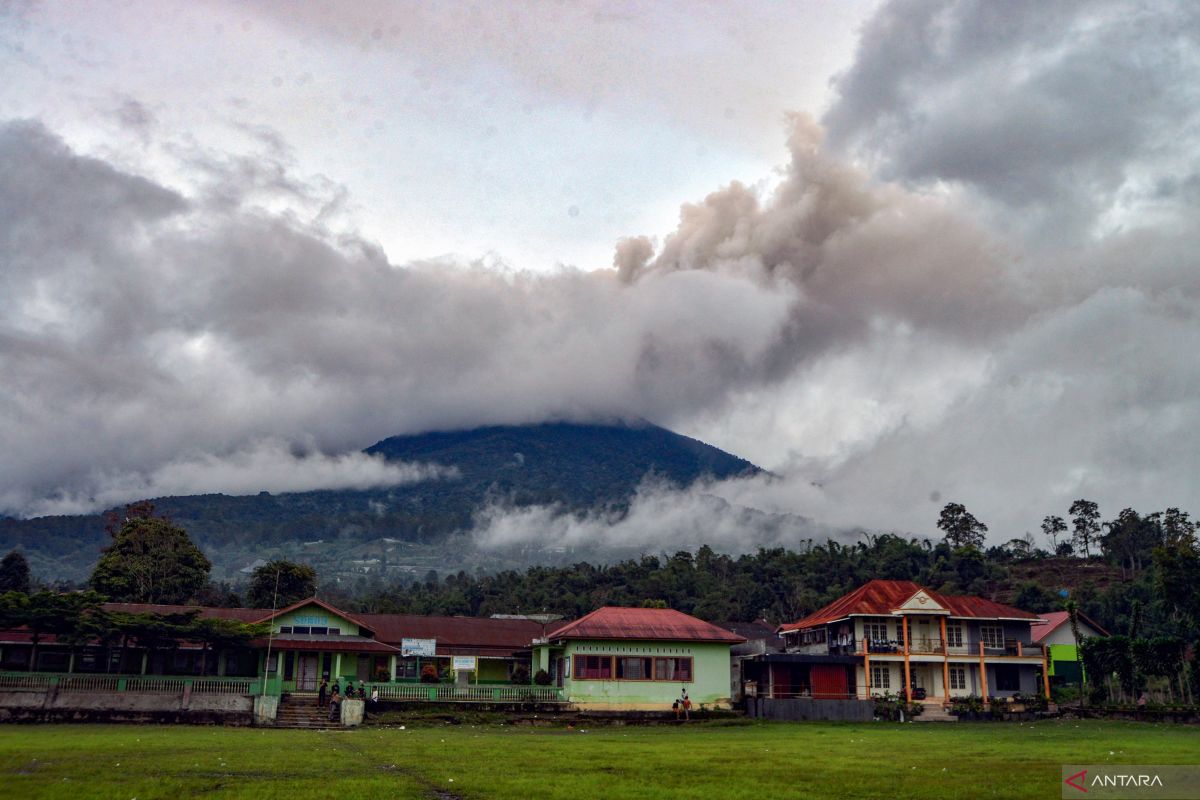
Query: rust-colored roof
[[882, 598], [457, 635], [1054, 619], [240, 614], [354, 644], [613, 622]]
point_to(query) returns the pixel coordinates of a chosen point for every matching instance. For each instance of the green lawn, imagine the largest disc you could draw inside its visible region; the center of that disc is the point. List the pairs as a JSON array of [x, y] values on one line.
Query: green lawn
[[499, 761]]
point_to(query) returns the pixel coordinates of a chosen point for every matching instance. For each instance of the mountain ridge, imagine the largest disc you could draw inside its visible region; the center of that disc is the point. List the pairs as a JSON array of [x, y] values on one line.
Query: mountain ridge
[[570, 465]]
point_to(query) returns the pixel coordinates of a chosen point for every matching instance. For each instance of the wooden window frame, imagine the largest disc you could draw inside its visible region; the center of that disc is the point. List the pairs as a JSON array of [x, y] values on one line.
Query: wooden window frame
[[585, 675], [954, 634], [958, 678], [691, 669], [881, 676], [617, 668], [996, 644], [882, 632]]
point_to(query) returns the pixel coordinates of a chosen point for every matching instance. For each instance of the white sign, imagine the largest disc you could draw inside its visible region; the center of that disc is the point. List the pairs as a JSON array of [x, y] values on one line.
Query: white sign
[[466, 663], [418, 647]]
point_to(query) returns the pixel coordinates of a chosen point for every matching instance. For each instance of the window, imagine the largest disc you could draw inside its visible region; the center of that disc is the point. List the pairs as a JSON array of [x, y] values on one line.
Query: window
[[285, 628], [954, 635], [881, 677], [593, 667], [958, 677], [633, 669], [991, 635], [334, 631], [672, 669], [318, 631], [300, 629], [875, 630]]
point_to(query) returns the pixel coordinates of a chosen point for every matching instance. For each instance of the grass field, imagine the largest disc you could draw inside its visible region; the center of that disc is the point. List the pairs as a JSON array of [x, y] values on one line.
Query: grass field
[[499, 761]]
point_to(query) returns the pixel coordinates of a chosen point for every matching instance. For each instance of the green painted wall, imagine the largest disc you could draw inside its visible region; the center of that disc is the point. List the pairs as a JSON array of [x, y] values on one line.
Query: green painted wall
[[313, 614], [709, 684]]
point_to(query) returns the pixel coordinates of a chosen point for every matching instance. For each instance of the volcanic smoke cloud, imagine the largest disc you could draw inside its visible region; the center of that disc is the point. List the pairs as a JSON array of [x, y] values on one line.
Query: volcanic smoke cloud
[[939, 299]]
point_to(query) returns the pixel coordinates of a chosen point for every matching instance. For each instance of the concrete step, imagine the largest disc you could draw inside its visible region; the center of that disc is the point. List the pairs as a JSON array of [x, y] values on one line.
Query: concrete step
[[934, 713]]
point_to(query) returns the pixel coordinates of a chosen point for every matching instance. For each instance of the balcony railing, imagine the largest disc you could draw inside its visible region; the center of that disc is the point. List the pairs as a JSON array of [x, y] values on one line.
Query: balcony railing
[[927, 646]]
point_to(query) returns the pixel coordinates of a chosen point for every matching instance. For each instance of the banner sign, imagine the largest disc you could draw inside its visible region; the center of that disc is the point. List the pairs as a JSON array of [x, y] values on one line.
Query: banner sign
[[425, 648], [466, 663]]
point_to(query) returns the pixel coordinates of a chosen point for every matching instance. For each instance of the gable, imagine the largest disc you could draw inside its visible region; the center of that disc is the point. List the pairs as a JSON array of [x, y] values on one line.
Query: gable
[[314, 615], [921, 603]]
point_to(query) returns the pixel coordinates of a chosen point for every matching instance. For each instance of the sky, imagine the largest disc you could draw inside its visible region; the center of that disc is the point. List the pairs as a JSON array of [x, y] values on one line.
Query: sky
[[898, 253]]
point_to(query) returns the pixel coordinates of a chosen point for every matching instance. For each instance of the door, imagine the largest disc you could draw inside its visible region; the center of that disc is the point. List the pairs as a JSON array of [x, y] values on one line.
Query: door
[[308, 673], [558, 672]]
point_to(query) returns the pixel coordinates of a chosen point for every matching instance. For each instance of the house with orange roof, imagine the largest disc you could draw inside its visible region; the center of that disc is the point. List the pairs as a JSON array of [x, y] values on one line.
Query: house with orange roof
[[638, 659], [900, 638]]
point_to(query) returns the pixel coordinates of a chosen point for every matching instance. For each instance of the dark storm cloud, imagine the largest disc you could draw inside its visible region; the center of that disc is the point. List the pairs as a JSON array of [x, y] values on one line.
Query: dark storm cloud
[[1064, 111]]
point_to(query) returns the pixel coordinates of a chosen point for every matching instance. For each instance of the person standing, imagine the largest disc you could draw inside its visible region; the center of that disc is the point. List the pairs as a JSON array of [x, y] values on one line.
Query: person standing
[[322, 692], [686, 703]]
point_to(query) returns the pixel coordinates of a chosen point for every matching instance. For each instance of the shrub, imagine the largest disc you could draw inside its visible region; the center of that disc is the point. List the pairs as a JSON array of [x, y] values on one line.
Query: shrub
[[542, 678], [520, 674], [889, 706], [429, 673]]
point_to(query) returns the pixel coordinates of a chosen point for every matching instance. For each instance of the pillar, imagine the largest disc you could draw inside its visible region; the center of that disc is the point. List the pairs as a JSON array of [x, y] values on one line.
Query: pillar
[[907, 671], [945, 662], [867, 667], [983, 673], [392, 667], [145, 658], [337, 665], [1045, 673]]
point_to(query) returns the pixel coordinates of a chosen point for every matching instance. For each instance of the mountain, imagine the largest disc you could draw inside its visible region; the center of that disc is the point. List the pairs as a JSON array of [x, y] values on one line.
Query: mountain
[[410, 527]]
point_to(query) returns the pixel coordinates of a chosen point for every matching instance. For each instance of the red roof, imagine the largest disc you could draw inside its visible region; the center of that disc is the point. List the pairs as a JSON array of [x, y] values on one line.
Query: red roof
[[240, 614], [883, 598], [1054, 619], [458, 635], [354, 644], [612, 622]]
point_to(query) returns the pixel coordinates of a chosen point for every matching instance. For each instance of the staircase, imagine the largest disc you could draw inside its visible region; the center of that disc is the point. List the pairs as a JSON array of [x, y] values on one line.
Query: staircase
[[299, 710], [934, 712]]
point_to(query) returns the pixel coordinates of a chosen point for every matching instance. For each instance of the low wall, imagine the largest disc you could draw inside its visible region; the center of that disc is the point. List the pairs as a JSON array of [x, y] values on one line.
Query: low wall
[[51, 705], [803, 709]]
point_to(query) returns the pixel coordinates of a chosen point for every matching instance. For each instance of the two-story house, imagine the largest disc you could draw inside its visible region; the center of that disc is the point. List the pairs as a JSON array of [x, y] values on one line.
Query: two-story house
[[900, 638]]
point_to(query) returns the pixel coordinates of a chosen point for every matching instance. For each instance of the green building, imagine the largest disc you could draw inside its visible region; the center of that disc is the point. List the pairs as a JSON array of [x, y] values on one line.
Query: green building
[[638, 659], [1062, 651]]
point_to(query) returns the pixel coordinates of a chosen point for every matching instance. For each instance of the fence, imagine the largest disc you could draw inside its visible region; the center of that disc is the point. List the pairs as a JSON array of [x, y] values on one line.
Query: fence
[[448, 693], [107, 684]]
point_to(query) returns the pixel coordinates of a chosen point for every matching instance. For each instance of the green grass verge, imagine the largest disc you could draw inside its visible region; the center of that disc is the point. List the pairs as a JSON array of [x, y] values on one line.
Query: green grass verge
[[820, 760]]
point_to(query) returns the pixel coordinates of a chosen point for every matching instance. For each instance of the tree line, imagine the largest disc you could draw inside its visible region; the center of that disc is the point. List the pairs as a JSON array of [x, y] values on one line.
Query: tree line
[[1153, 556]]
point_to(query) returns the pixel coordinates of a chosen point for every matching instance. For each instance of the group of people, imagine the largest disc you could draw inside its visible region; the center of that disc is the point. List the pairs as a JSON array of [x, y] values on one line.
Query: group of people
[[683, 706], [332, 695]]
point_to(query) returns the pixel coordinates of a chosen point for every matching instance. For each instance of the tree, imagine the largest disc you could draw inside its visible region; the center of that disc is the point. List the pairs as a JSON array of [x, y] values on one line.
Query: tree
[[1086, 516], [1053, 527], [1073, 617], [295, 582], [14, 573], [960, 527], [150, 561]]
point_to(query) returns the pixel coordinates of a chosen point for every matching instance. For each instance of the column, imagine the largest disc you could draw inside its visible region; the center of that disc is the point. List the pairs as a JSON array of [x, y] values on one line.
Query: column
[[1045, 673], [907, 672], [867, 667], [945, 662], [392, 667], [983, 672]]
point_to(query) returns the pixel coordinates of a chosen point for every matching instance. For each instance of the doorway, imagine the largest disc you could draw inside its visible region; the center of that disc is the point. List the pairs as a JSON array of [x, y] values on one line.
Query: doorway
[[308, 673]]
